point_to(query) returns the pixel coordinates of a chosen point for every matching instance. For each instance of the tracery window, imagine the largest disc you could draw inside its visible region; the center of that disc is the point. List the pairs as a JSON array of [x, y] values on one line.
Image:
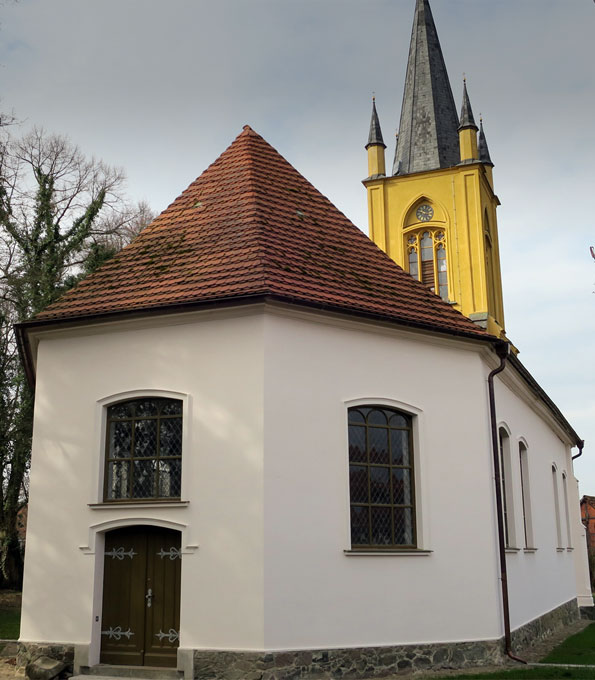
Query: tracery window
[[381, 481], [426, 253], [143, 449]]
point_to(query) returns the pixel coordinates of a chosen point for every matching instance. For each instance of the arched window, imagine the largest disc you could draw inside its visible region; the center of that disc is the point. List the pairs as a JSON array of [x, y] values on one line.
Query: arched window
[[566, 511], [143, 458], [489, 260], [557, 508], [526, 496], [506, 486], [426, 253], [381, 482]]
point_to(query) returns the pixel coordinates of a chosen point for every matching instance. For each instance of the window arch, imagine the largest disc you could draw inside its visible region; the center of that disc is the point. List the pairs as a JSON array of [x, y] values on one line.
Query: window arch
[[506, 486], [426, 255], [381, 478], [557, 508], [566, 511], [526, 495], [143, 459]]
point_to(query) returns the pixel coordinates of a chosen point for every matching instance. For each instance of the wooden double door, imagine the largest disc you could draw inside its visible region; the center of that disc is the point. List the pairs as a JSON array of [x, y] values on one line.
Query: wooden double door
[[141, 597]]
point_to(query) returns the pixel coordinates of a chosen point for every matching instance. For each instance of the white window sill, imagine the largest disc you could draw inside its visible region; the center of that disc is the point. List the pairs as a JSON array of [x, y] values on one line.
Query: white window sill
[[560, 550], [511, 550], [529, 550], [569, 549], [138, 504], [386, 553]]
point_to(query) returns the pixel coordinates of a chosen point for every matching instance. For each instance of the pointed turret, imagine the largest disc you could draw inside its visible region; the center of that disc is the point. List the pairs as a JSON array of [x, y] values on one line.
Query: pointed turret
[[467, 130], [375, 136], [484, 152], [375, 146], [428, 137], [467, 120]]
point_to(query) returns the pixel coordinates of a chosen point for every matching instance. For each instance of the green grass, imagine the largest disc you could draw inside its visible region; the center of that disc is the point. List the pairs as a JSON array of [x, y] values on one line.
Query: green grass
[[10, 624], [578, 649], [521, 673]]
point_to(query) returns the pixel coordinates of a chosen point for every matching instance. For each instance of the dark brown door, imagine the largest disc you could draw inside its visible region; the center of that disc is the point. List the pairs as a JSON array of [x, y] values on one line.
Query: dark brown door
[[141, 597]]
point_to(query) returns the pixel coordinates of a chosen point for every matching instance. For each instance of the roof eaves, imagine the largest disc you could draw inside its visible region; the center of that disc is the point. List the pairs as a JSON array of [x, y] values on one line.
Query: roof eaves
[[22, 329], [541, 394]]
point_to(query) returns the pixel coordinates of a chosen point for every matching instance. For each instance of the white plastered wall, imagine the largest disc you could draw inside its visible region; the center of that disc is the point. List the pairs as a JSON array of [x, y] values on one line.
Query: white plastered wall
[[266, 479], [215, 364], [315, 594], [544, 575]]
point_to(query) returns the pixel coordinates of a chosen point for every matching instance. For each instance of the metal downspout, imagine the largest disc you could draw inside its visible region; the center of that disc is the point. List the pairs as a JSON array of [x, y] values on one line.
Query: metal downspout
[[580, 450], [502, 350]]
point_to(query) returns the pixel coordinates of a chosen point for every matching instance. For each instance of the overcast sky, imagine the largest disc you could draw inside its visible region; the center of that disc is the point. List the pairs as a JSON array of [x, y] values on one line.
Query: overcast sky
[[162, 87]]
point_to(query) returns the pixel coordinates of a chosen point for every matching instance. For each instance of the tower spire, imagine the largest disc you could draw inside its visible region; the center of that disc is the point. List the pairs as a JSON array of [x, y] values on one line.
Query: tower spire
[[375, 146], [428, 137], [484, 152], [467, 120], [375, 135]]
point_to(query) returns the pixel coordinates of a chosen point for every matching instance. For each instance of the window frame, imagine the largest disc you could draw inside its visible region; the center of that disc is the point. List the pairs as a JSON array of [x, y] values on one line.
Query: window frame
[[414, 245], [98, 499], [558, 518], [525, 484], [507, 487], [412, 415]]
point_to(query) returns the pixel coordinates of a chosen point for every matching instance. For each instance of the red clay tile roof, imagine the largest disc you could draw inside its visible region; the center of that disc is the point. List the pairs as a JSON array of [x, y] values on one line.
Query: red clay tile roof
[[251, 226]]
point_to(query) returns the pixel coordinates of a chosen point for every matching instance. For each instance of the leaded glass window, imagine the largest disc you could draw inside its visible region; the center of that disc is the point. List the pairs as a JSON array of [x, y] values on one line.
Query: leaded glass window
[[426, 256], [143, 449], [381, 482]]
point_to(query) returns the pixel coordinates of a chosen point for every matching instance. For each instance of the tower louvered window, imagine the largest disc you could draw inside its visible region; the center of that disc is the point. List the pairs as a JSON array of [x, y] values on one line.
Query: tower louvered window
[[426, 254], [143, 450]]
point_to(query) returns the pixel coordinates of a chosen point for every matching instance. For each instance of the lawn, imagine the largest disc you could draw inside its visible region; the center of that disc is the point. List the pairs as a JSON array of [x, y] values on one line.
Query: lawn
[[10, 624], [10, 614], [578, 649]]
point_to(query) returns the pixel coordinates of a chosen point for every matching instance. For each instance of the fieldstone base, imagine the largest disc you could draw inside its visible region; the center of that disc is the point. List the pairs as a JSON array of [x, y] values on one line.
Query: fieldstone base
[[364, 662], [31, 651], [545, 625], [588, 613], [334, 664]]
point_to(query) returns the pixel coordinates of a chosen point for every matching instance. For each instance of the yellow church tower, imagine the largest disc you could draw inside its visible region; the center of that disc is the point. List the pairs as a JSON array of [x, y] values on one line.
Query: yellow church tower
[[436, 214]]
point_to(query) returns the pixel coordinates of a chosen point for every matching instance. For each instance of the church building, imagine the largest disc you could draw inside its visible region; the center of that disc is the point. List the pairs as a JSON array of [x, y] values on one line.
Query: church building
[[267, 446]]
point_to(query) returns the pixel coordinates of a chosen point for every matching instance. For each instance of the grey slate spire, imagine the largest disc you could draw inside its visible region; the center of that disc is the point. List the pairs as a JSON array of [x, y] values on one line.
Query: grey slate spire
[[428, 137], [482, 145], [467, 120], [375, 136]]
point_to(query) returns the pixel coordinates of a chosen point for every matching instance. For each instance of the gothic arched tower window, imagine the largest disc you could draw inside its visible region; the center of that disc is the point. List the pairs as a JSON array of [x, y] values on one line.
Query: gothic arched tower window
[[427, 259]]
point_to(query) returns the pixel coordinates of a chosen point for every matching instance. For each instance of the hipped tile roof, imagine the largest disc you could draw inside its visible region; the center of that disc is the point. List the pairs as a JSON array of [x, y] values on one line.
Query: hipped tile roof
[[252, 226]]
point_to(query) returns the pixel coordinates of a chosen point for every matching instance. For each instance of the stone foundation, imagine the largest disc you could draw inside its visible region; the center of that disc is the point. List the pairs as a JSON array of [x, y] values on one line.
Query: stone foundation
[[30, 651], [376, 662], [333, 664], [364, 662], [545, 625]]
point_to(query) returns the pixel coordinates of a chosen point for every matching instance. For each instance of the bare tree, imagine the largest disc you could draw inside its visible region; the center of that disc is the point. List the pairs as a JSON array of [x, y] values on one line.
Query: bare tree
[[61, 215]]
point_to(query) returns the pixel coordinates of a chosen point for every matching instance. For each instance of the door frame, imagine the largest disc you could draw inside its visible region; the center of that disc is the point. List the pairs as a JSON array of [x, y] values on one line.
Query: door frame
[[88, 655]]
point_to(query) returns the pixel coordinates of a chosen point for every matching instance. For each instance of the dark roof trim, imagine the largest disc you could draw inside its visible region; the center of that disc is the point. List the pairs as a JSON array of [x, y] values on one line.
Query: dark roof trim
[[540, 393], [21, 329], [24, 345]]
